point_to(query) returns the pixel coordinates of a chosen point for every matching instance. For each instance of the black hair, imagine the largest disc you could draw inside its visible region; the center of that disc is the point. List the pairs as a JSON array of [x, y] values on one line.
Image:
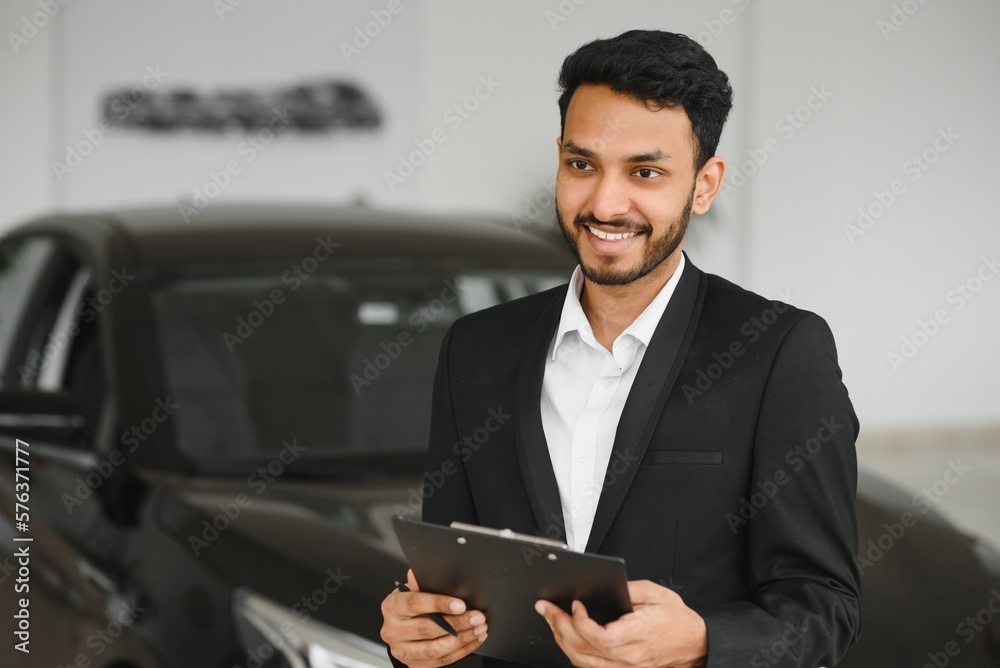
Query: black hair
[[662, 69]]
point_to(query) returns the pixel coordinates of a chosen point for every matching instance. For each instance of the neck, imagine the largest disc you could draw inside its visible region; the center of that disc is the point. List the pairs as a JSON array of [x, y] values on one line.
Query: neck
[[612, 308]]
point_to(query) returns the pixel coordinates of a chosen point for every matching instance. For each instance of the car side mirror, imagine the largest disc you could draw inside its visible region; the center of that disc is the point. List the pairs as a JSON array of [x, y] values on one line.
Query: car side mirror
[[49, 417]]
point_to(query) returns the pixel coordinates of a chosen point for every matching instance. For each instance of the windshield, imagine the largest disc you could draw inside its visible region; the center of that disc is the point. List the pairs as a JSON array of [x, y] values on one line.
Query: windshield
[[339, 365]]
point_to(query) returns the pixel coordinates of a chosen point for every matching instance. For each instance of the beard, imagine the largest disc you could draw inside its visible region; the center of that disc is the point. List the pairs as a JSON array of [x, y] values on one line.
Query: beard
[[657, 250]]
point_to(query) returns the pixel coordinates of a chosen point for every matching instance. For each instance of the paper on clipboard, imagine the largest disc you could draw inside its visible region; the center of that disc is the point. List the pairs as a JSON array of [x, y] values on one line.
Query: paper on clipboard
[[503, 573]]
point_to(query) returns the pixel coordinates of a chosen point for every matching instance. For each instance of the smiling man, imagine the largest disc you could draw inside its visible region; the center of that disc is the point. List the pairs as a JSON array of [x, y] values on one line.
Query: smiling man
[[660, 414]]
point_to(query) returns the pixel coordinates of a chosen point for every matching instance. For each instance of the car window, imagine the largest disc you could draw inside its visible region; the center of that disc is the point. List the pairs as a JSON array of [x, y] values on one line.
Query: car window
[[65, 330], [22, 263], [81, 371], [51, 341], [342, 364]]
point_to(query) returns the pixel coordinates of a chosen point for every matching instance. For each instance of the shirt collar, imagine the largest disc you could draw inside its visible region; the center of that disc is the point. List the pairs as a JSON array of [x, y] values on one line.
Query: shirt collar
[[573, 319]]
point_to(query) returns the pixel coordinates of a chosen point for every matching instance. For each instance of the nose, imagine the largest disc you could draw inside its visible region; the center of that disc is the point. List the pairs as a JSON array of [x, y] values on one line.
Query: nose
[[609, 200]]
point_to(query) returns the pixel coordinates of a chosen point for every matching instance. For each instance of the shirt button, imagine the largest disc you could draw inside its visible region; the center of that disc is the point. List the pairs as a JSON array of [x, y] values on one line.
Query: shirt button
[[583, 456], [580, 545], [608, 383]]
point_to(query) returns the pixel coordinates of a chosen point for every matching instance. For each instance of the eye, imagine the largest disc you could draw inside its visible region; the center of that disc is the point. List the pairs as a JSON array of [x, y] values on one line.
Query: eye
[[580, 165], [646, 173]]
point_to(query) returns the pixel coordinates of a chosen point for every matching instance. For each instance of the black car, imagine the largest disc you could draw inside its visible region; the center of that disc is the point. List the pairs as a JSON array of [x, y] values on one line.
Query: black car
[[206, 429]]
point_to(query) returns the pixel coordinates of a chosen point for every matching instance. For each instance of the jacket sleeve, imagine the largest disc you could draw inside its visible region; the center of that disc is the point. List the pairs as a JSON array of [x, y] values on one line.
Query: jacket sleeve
[[803, 576]]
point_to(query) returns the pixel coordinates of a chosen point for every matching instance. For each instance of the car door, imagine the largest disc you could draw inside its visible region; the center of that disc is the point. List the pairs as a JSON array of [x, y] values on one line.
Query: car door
[[50, 345]]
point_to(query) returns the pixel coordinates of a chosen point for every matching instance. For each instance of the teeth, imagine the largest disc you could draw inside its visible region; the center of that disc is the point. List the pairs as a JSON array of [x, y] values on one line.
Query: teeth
[[610, 237]]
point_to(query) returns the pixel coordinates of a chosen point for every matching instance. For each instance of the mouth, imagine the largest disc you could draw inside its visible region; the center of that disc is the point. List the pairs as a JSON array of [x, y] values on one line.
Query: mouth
[[610, 236]]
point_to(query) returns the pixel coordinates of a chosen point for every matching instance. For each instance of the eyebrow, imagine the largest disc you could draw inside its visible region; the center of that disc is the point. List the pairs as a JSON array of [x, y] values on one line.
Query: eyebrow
[[655, 155]]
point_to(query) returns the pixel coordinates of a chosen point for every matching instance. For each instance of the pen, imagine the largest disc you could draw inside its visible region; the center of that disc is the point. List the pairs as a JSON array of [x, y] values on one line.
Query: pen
[[435, 616]]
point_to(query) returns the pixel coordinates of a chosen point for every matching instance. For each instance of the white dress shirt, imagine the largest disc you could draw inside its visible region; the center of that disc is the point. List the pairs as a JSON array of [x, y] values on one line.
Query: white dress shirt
[[583, 394]]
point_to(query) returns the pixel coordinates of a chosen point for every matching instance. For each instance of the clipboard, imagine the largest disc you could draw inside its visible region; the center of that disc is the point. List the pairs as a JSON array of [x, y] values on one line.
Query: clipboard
[[503, 573]]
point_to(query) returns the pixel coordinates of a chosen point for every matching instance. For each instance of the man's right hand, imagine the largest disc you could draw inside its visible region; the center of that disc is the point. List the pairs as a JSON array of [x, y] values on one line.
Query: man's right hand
[[413, 637]]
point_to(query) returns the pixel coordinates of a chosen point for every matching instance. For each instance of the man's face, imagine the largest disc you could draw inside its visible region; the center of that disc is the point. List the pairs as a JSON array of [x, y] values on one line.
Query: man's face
[[625, 185]]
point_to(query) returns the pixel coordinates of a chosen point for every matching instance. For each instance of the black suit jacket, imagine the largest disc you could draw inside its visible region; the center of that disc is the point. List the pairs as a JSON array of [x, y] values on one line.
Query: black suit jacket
[[732, 476]]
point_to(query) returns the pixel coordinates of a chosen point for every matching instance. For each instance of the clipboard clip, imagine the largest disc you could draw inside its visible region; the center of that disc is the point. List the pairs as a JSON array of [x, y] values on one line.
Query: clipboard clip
[[507, 533]]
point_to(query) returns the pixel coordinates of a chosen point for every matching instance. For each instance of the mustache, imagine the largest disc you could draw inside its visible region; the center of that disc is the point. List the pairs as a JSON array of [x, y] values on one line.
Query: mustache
[[624, 225]]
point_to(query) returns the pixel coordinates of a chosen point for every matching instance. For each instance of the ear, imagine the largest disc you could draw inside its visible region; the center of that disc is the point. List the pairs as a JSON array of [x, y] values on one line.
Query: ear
[[559, 144], [707, 184]]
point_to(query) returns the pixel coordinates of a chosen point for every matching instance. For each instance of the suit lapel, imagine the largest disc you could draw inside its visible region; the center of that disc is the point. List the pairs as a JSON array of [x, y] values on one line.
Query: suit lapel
[[532, 449], [653, 383]]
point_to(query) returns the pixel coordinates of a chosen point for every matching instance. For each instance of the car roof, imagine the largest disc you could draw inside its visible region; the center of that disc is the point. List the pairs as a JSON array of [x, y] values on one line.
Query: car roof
[[163, 238]]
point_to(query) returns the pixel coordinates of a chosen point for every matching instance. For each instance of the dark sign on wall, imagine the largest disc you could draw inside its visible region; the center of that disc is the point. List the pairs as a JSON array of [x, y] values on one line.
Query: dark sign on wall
[[316, 107]]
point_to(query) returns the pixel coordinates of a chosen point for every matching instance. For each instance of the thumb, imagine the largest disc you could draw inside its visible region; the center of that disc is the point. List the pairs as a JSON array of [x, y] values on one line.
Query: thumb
[[411, 580]]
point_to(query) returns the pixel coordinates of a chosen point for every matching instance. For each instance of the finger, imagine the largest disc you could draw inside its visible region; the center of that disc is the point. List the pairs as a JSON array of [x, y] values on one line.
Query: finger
[[464, 650], [638, 592], [631, 625], [411, 580], [425, 628], [595, 638], [644, 592], [422, 628], [579, 651], [469, 620], [545, 609], [560, 623], [440, 650], [474, 622], [583, 622], [414, 604], [600, 640]]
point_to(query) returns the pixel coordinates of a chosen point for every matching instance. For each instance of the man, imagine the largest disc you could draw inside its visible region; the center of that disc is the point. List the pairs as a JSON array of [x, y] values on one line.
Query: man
[[660, 414]]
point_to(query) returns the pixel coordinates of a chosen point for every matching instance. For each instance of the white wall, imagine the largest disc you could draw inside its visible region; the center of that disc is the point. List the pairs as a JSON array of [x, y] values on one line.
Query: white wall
[[780, 233], [27, 71], [891, 95]]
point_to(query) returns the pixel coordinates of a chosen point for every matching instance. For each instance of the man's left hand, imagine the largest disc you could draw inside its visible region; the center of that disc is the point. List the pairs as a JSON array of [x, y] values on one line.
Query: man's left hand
[[660, 631]]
